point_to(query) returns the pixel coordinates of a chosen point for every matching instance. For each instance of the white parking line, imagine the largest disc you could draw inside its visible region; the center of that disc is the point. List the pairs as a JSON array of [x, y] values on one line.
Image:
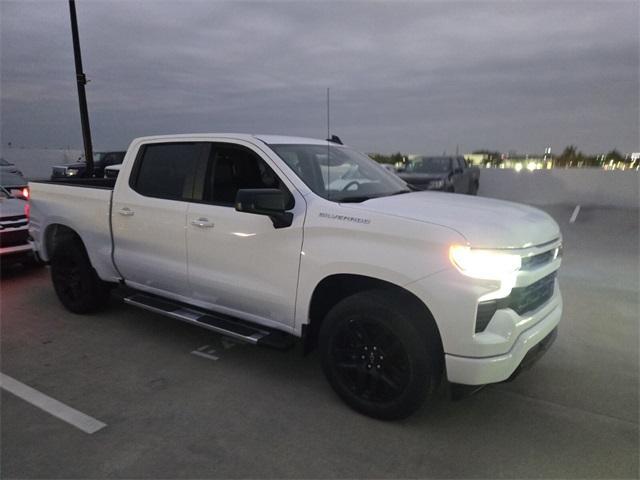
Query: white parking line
[[50, 405], [574, 215], [200, 352]]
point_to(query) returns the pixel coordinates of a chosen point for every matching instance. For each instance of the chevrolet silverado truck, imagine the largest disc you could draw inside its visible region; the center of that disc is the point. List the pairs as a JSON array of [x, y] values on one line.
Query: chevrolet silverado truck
[[446, 174], [251, 236]]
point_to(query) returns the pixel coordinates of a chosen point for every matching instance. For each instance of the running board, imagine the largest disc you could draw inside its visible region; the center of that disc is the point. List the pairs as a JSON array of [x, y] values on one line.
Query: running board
[[216, 322]]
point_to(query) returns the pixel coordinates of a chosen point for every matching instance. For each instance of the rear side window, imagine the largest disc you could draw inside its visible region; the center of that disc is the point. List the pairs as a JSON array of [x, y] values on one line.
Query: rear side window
[[166, 170]]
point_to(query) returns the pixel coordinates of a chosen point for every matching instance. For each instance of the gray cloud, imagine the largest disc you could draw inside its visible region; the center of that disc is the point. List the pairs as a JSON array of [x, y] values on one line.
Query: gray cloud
[[411, 76]]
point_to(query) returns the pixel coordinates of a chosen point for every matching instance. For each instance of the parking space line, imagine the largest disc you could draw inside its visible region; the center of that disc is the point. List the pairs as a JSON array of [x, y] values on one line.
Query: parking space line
[[205, 355], [50, 405], [574, 215], [206, 352]]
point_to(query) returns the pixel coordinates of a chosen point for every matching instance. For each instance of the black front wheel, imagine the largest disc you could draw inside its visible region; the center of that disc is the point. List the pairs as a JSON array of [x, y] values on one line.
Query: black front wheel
[[376, 357], [75, 281]]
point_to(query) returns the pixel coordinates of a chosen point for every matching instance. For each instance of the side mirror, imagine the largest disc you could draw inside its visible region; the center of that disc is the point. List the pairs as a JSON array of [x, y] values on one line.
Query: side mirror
[[265, 201]]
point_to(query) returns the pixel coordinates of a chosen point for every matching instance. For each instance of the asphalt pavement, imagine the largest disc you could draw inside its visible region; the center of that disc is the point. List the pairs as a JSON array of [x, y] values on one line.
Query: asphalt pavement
[[180, 402]]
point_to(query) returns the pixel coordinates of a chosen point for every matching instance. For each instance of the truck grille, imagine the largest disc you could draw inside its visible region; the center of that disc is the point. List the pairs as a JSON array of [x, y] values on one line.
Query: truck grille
[[14, 237], [536, 261], [522, 300], [526, 299]]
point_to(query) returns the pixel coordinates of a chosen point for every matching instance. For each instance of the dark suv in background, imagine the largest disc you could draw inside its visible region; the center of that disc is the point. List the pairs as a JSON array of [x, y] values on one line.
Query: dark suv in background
[[447, 174], [100, 161]]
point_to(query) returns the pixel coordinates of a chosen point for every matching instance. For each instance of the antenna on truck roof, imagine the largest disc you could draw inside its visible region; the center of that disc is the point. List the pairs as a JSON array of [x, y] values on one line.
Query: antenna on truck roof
[[328, 144]]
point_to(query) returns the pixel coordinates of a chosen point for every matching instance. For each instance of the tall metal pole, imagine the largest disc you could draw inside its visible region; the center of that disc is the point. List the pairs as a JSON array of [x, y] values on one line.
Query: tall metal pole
[[81, 80]]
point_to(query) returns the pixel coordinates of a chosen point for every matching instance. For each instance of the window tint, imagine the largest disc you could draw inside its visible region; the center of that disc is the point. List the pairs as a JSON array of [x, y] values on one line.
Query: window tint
[[233, 167], [166, 170], [113, 158]]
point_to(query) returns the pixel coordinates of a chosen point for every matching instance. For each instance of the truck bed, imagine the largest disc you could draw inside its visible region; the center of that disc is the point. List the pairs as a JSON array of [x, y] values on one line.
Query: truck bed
[[82, 204]]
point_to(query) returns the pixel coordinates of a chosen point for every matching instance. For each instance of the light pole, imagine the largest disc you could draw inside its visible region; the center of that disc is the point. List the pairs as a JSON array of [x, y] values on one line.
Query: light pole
[[81, 81]]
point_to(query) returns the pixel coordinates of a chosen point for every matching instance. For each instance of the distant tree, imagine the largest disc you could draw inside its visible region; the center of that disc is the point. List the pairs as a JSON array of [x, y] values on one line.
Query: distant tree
[[392, 159], [614, 155], [493, 156], [569, 157]]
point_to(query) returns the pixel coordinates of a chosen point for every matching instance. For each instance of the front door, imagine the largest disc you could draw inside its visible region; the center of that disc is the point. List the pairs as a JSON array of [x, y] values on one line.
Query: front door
[[239, 263]]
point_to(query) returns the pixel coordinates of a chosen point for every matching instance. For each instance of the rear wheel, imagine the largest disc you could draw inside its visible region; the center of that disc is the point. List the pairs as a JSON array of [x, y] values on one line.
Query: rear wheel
[[376, 356], [75, 281]]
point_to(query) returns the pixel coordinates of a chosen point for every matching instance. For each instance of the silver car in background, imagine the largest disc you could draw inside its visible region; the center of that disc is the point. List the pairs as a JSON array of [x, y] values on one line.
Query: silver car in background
[[15, 243]]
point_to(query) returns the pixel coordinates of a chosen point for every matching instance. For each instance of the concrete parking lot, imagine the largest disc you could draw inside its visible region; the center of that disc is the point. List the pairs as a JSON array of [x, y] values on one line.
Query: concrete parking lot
[[239, 411]]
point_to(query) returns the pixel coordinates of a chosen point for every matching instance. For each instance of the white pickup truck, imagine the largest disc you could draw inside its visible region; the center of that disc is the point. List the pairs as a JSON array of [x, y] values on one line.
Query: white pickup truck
[[267, 238]]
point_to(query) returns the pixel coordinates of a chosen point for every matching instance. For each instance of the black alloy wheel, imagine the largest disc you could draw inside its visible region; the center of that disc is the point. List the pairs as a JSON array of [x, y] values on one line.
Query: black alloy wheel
[[378, 354], [75, 281], [370, 360]]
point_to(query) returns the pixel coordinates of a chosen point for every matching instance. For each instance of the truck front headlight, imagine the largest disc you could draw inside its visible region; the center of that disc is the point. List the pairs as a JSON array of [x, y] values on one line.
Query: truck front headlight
[[484, 264], [72, 172]]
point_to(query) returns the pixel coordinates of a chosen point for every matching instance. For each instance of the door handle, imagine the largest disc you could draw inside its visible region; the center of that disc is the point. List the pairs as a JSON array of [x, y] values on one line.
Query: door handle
[[126, 212], [202, 223]]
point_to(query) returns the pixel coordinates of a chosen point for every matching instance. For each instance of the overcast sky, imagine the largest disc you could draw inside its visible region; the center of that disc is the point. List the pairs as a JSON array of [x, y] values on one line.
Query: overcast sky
[[420, 77]]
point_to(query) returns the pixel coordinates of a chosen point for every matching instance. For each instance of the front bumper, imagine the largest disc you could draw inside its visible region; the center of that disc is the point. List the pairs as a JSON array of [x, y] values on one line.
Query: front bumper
[[528, 347], [16, 251]]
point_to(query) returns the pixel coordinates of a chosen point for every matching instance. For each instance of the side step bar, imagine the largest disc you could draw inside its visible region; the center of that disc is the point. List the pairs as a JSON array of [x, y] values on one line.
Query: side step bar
[[216, 322]]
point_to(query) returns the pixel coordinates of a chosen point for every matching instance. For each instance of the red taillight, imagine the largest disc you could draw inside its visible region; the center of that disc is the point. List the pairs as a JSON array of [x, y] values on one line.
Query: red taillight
[[27, 209], [25, 193]]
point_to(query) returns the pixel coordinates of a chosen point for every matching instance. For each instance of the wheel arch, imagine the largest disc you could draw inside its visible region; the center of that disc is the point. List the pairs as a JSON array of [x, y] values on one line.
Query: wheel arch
[[334, 288], [56, 233]]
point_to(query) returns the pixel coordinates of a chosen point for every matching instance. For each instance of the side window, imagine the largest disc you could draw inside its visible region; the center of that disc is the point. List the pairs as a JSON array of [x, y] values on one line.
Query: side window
[[114, 158], [233, 167], [165, 170]]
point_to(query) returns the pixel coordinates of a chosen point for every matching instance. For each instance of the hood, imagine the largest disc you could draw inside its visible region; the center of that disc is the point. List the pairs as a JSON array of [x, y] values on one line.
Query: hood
[[11, 207], [484, 222]]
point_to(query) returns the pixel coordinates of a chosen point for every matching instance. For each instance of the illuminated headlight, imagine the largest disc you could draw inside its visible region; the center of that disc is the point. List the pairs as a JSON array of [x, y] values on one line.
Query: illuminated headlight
[[72, 172], [436, 183], [484, 264]]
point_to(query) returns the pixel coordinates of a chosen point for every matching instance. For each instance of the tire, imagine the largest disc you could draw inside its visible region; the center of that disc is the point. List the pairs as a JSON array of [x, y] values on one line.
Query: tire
[[377, 356], [75, 281]]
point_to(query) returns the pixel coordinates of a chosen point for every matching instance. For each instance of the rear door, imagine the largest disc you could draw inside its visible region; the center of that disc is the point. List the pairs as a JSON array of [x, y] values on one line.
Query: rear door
[[239, 263], [149, 217]]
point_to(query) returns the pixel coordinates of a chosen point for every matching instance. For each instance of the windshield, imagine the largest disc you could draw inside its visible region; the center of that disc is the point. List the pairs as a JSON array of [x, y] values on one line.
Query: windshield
[[339, 173], [430, 165], [4, 163]]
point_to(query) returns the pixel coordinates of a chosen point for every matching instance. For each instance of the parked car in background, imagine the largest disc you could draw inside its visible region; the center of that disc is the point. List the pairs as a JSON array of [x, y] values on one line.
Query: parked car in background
[[388, 167], [447, 174], [8, 167], [15, 183], [14, 229], [112, 171], [100, 161]]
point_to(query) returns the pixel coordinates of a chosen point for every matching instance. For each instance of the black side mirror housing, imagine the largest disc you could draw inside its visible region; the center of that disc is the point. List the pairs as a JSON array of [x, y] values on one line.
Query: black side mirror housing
[[265, 201]]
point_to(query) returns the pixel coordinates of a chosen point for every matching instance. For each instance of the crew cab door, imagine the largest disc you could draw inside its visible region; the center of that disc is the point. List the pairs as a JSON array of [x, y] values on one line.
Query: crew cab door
[[149, 217], [238, 262]]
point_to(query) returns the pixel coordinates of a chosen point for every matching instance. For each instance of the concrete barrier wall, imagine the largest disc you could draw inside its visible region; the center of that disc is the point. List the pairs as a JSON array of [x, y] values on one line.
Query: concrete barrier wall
[[36, 163], [583, 186]]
